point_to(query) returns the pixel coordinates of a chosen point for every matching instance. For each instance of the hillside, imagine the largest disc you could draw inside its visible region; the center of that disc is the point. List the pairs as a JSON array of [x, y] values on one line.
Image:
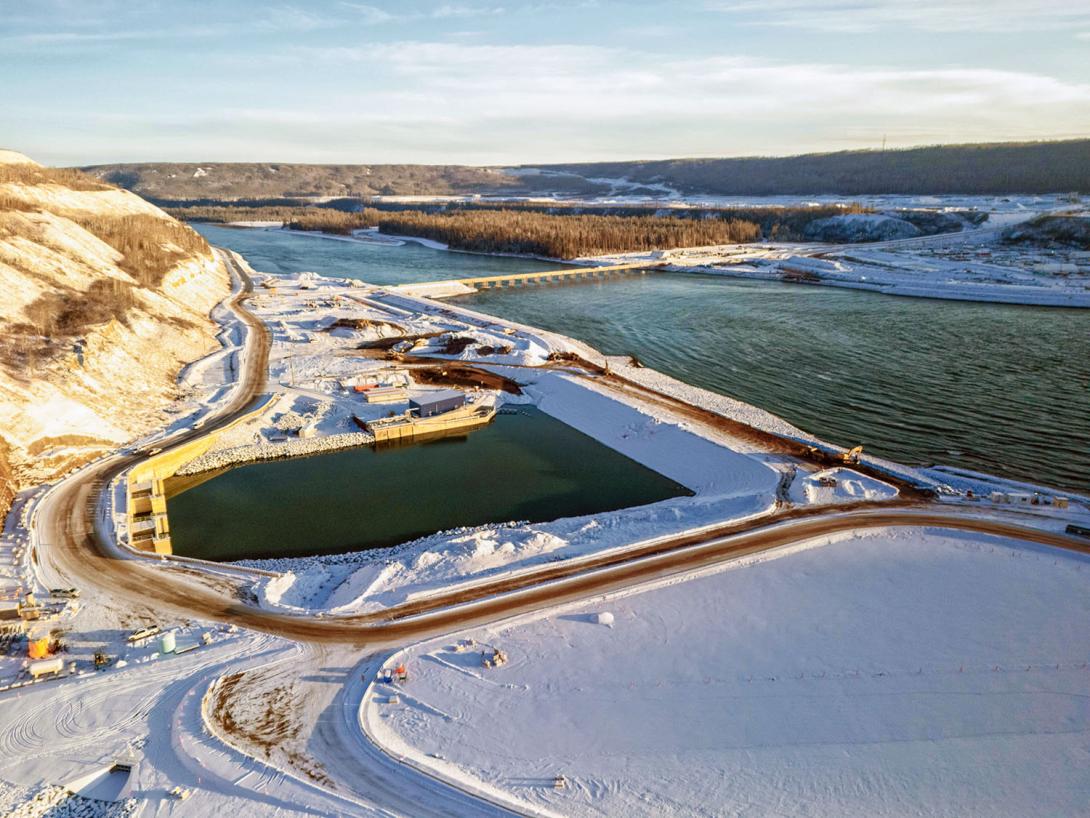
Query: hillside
[[1026, 167], [103, 298], [218, 181], [994, 169]]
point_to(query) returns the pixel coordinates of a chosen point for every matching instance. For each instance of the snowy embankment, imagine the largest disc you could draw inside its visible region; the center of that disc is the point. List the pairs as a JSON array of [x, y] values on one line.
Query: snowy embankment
[[727, 485], [253, 453], [887, 672]]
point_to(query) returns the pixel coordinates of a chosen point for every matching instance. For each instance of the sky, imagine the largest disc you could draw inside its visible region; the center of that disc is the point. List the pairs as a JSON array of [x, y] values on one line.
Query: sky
[[532, 81]]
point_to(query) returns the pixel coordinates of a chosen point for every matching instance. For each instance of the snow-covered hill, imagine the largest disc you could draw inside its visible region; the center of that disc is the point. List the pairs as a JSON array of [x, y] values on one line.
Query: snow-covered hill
[[103, 298]]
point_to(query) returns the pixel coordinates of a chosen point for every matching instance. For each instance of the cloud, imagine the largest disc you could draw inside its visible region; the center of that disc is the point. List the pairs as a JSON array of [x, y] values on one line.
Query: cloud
[[293, 18], [442, 101], [370, 14], [446, 11], [449, 10], [32, 39], [1001, 16]]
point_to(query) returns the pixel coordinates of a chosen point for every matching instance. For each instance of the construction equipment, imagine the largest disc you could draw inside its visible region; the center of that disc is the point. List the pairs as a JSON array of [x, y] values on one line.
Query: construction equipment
[[852, 455], [29, 609], [102, 660], [497, 659]]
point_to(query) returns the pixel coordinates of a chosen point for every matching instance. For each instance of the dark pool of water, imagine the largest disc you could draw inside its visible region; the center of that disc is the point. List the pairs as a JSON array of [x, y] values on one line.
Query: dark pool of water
[[524, 466]]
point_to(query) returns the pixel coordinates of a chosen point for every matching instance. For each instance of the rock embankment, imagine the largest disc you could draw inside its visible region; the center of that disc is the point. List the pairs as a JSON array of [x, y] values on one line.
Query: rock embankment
[[1066, 231], [56, 802], [253, 453]]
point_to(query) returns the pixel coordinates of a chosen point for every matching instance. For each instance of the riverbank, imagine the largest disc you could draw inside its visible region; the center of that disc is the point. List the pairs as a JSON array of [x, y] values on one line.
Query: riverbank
[[918, 381], [970, 265], [318, 325]]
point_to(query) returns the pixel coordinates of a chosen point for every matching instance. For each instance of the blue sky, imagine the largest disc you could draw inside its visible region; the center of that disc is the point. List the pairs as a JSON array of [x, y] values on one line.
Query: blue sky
[[510, 81]]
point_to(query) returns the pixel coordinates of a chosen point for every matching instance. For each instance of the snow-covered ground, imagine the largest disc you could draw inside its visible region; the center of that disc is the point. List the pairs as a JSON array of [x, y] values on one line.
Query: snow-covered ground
[[971, 265], [727, 485], [313, 370], [890, 672]]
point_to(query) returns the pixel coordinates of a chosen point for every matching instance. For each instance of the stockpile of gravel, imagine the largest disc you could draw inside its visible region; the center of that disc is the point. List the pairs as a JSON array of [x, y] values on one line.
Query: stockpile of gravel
[[57, 802], [275, 451]]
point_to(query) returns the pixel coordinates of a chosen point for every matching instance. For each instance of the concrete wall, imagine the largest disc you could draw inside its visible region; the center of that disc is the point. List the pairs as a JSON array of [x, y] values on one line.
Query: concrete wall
[[145, 495]]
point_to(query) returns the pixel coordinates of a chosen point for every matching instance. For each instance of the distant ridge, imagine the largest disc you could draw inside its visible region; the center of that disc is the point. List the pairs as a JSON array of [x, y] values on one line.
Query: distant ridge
[[984, 169], [987, 168]]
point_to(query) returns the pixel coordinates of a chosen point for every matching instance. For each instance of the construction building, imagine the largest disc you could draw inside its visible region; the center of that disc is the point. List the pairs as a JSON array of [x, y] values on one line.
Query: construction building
[[436, 403]]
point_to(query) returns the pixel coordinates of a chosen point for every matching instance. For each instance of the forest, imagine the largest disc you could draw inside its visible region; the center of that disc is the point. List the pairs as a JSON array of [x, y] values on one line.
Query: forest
[[539, 234]]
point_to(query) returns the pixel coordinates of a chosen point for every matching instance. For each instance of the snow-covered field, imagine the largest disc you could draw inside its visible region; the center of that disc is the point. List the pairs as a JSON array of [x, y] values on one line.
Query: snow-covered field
[[892, 672]]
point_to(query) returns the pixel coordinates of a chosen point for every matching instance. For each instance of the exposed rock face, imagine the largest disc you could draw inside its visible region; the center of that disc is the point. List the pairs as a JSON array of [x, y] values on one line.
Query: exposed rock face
[[1068, 231], [103, 298], [860, 227]]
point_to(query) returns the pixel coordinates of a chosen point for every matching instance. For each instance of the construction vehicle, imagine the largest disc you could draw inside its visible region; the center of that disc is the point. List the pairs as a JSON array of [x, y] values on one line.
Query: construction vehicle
[[497, 658], [852, 456], [29, 609], [102, 660]]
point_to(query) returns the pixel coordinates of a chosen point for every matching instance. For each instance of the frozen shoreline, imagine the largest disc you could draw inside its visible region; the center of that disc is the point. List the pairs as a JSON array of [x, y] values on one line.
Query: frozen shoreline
[[917, 279], [733, 478]]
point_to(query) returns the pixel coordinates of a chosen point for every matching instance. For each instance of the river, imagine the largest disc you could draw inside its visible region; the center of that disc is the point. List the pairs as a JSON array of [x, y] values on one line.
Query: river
[[995, 388]]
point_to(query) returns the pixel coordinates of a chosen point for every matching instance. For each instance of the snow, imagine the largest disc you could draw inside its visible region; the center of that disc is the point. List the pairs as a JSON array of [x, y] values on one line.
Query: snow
[[970, 265], [883, 673], [9, 157], [727, 485], [837, 486]]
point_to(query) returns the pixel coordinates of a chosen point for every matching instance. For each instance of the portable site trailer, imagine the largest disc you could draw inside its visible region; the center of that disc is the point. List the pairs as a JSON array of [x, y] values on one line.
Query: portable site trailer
[[44, 667], [386, 394], [435, 403]]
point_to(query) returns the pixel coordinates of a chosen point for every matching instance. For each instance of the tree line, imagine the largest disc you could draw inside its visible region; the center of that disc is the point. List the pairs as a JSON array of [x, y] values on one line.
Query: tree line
[[532, 233]]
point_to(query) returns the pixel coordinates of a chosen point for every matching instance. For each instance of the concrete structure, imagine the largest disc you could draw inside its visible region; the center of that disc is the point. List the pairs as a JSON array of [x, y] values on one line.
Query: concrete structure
[[406, 427], [436, 403], [463, 286], [145, 497], [550, 276]]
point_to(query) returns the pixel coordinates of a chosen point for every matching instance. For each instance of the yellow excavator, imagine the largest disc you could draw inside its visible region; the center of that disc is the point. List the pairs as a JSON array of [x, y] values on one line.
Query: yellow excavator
[[852, 455]]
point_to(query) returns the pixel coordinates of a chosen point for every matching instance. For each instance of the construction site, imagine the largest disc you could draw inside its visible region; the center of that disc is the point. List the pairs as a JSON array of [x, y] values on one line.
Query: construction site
[[335, 369]]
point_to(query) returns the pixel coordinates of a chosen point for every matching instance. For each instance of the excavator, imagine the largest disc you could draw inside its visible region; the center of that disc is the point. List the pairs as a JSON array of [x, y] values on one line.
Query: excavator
[[851, 457]]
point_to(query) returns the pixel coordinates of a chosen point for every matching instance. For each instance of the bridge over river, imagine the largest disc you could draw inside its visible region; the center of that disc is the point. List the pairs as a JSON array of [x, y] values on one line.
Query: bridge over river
[[465, 286]]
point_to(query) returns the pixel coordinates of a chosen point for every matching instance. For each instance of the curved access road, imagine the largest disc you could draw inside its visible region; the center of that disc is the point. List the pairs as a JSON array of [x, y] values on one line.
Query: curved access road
[[71, 548]]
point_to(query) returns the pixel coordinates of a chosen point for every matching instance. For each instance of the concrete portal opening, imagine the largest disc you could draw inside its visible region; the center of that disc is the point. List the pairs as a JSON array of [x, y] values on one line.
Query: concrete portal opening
[[104, 784]]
